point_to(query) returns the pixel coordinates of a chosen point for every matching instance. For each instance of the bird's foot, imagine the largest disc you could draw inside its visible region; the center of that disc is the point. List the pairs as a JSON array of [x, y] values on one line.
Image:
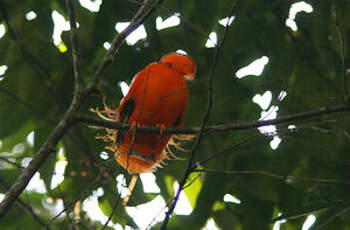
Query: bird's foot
[[134, 126], [162, 128]]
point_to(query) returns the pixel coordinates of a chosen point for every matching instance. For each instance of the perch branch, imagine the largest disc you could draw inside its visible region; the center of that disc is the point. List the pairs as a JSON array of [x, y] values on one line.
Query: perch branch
[[212, 129]]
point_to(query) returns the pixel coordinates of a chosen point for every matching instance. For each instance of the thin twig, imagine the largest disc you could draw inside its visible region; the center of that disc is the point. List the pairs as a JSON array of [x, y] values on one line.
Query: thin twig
[[75, 45], [192, 181], [203, 124], [28, 106], [42, 154], [155, 216], [271, 174], [284, 217], [67, 209], [342, 51], [222, 151], [330, 219], [182, 17], [79, 197], [114, 209], [4, 159]]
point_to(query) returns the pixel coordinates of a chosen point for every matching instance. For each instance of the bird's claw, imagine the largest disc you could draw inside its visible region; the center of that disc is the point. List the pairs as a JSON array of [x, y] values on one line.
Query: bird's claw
[[161, 128], [134, 126]]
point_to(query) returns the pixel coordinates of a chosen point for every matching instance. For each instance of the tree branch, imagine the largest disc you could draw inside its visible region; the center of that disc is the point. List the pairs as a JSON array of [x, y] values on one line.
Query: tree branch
[[70, 115], [339, 213], [213, 129], [4, 159], [72, 203], [142, 14], [75, 45], [203, 124], [26, 207], [114, 209], [46, 149], [222, 151], [284, 217], [182, 17]]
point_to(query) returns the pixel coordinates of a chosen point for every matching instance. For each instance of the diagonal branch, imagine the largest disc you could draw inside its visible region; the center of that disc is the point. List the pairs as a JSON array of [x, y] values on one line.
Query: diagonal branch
[[25, 206], [114, 209], [142, 14], [224, 150], [6, 160], [41, 155], [337, 213], [182, 17], [69, 117], [203, 124], [72, 203]]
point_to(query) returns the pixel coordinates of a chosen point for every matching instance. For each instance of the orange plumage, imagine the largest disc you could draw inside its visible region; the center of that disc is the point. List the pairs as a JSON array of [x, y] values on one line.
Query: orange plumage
[[157, 97]]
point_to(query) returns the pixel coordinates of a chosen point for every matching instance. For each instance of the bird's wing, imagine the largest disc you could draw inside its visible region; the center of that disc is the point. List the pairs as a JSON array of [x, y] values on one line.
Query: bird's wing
[[128, 103]]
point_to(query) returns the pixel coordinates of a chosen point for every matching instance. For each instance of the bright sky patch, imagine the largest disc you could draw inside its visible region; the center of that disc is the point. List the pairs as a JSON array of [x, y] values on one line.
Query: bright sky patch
[[226, 21], [31, 15], [211, 42], [169, 22], [255, 68], [135, 36]]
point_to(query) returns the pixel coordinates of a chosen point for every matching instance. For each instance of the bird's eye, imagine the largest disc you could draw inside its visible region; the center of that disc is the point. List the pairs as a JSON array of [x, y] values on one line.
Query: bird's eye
[[169, 64]]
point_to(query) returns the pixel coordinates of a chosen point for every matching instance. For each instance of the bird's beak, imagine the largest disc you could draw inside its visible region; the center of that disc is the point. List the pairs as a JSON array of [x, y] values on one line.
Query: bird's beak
[[189, 77]]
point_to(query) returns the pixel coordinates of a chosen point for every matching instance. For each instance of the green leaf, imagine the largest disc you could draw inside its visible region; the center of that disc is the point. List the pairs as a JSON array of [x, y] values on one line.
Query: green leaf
[[106, 204], [193, 190]]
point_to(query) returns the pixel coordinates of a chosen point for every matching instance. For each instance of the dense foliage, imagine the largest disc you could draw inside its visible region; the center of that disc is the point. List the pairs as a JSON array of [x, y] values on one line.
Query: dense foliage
[[306, 174]]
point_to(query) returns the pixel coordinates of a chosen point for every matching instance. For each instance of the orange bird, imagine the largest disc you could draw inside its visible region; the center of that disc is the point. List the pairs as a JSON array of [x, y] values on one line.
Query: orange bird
[[157, 97]]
